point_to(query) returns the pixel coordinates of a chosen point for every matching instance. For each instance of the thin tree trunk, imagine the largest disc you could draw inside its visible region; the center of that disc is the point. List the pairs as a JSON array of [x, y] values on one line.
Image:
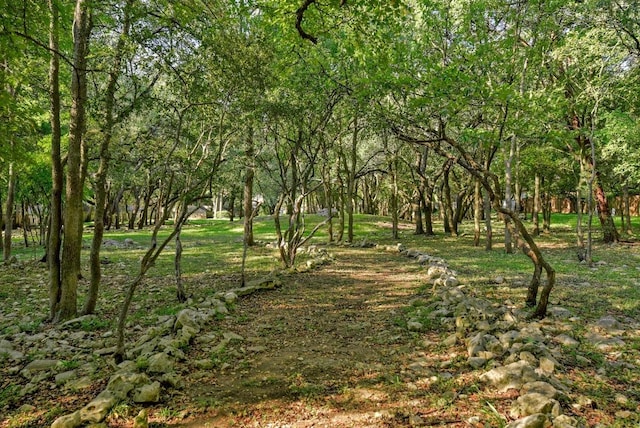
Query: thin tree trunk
[[488, 246], [508, 177], [103, 168], [9, 211], [248, 191], [394, 197], [477, 212], [54, 242], [341, 210], [535, 215], [448, 205], [25, 225], [328, 196], [626, 209], [73, 212], [351, 179], [180, 293]]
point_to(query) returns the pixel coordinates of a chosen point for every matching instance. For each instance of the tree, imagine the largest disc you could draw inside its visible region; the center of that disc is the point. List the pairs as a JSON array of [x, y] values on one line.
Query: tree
[[76, 164], [101, 175]]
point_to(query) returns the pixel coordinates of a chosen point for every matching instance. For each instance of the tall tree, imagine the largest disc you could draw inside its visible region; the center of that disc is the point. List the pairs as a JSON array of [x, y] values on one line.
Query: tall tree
[[73, 211], [100, 190]]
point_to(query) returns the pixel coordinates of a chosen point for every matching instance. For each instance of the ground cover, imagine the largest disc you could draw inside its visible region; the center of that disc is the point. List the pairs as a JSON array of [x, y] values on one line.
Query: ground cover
[[331, 346]]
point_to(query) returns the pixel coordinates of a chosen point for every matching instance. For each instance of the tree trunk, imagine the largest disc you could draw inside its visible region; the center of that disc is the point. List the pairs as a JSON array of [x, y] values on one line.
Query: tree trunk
[[448, 205], [26, 225], [535, 215], [8, 212], [609, 232], [394, 197], [477, 212], [136, 209], [341, 210], [626, 209], [103, 168], [248, 191], [73, 212], [148, 260], [508, 178], [54, 242], [180, 293], [351, 179], [488, 246]]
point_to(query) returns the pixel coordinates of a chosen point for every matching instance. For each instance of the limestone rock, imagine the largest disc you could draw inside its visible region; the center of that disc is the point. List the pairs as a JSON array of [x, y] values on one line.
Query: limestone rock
[[7, 351], [566, 340], [37, 365], [147, 394], [160, 363], [98, 408], [540, 387], [65, 377], [230, 297], [609, 324], [142, 420], [564, 421], [121, 384], [559, 312], [477, 362], [232, 337], [513, 375], [188, 317], [415, 326], [534, 403], [548, 365], [604, 343], [173, 380], [68, 421], [534, 421], [451, 340]]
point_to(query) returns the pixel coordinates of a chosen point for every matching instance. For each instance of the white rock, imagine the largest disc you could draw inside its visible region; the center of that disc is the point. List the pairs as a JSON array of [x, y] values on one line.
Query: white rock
[[510, 376]]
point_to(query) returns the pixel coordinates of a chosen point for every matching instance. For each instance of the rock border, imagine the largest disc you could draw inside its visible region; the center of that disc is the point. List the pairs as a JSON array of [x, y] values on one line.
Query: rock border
[[150, 360], [517, 352]]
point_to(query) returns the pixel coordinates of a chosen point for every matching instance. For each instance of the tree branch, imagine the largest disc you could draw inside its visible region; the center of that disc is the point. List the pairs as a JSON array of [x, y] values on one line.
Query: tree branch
[[299, 17]]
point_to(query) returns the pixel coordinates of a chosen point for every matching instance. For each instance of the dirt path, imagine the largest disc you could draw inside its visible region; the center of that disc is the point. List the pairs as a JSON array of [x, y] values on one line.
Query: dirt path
[[328, 350]]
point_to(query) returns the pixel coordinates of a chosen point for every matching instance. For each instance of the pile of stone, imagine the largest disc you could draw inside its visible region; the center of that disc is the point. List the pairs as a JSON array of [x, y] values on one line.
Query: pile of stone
[[151, 360], [516, 352]]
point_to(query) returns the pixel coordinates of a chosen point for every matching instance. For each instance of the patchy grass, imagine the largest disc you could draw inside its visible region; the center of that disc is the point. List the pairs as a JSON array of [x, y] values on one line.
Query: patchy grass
[[212, 261]]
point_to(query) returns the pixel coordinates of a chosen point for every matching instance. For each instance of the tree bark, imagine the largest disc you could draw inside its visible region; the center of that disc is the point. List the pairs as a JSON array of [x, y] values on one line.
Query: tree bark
[[448, 205], [103, 168], [394, 196], [477, 212], [508, 177], [626, 209], [351, 179], [9, 211], [488, 246], [54, 242], [248, 191], [535, 215], [73, 212]]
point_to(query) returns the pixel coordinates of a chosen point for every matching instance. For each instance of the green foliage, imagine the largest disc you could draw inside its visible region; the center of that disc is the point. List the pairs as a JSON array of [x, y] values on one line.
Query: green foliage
[[94, 324], [9, 395]]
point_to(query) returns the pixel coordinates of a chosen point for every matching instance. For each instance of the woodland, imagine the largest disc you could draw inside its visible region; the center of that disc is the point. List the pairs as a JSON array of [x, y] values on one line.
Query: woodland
[[141, 138]]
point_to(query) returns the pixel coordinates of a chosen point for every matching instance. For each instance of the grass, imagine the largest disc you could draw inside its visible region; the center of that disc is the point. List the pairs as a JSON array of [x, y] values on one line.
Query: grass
[[212, 261]]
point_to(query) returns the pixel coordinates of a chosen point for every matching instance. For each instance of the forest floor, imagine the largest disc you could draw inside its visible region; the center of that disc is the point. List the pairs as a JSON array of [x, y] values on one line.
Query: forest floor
[[330, 347]]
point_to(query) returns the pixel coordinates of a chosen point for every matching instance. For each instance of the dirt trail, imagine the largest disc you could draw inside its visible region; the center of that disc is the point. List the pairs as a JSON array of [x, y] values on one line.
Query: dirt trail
[[326, 350]]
